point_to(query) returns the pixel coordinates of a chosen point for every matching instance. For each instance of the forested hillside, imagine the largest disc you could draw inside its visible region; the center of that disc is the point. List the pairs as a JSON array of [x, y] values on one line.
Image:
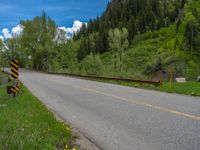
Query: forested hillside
[[137, 16], [133, 38]]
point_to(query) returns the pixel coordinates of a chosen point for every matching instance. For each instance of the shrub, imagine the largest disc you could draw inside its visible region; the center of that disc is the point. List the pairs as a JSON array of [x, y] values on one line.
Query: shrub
[[92, 65], [193, 70], [54, 67]]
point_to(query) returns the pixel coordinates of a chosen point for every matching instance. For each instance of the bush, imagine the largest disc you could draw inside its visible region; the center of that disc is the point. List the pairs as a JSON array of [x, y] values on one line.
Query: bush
[[193, 70], [54, 67], [92, 65]]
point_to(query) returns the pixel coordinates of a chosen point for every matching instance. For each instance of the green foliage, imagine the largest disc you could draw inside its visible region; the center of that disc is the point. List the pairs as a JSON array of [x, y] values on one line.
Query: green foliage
[[37, 39], [191, 23], [42, 46], [189, 88], [92, 65], [193, 70], [25, 123], [89, 44], [139, 39], [3, 54], [163, 34], [137, 16], [67, 56], [118, 42]]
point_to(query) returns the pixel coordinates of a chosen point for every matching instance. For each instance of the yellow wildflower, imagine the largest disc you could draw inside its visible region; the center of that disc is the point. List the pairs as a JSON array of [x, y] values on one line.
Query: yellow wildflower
[[68, 129]]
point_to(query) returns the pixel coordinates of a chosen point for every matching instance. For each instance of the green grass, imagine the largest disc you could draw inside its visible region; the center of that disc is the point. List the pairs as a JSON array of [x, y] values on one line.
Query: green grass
[[25, 123], [2, 74], [189, 88]]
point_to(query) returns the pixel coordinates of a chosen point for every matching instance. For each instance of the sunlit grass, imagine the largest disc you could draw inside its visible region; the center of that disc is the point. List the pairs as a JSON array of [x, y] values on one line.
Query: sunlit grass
[[189, 88], [25, 123]]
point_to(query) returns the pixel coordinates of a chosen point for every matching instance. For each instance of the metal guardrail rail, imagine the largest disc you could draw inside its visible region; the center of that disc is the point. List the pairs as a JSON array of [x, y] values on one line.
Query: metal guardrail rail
[[156, 82]]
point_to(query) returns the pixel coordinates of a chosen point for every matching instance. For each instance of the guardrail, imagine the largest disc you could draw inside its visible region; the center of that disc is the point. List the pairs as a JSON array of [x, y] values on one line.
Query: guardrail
[[156, 83]]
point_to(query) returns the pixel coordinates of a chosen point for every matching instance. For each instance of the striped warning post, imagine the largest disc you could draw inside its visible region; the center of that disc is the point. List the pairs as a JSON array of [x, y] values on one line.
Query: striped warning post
[[13, 89], [17, 89], [14, 69], [17, 86]]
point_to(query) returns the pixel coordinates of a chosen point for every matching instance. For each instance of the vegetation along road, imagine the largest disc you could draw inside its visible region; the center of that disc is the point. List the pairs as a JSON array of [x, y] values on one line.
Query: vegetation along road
[[117, 117], [157, 40], [26, 124]]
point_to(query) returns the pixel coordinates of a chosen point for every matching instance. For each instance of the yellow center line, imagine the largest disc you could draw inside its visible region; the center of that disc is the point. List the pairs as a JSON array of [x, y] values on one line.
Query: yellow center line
[[156, 107]]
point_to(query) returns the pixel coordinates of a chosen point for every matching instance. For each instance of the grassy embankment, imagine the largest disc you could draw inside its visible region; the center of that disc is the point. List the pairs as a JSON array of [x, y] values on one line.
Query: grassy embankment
[[25, 123], [154, 51], [188, 88]]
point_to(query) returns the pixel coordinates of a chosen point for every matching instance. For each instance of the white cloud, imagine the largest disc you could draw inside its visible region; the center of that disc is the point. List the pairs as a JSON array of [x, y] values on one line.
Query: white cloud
[[1, 38], [6, 33], [62, 28], [16, 31], [75, 28]]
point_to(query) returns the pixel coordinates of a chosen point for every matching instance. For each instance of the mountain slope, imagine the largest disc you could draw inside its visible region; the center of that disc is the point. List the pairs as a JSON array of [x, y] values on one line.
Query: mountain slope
[[163, 38]]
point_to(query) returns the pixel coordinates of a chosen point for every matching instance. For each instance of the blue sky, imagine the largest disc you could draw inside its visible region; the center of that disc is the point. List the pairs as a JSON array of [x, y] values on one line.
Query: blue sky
[[64, 12]]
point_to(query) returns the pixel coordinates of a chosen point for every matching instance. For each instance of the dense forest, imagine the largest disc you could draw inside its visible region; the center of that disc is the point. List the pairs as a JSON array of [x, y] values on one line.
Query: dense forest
[[133, 38], [138, 16]]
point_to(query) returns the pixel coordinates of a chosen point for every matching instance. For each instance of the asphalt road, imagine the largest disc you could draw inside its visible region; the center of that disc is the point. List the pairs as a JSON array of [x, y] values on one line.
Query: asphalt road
[[120, 118]]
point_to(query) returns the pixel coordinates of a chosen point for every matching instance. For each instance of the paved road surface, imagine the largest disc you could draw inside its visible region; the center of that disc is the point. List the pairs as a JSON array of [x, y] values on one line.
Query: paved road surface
[[121, 118]]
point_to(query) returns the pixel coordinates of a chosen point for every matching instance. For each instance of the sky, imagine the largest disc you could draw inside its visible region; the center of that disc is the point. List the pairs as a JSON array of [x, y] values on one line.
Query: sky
[[66, 13]]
